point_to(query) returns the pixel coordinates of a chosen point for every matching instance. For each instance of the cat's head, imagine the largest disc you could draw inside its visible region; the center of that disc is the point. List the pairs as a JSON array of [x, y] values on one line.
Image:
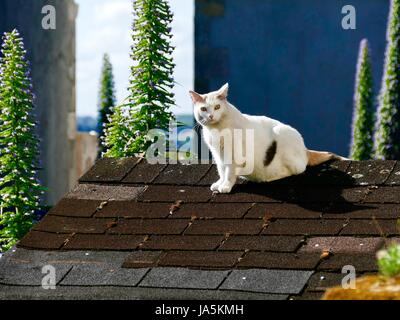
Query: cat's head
[[210, 108]]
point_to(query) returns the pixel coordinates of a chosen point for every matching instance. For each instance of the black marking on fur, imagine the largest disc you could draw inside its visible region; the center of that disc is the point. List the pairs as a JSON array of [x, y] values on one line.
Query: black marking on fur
[[270, 154]]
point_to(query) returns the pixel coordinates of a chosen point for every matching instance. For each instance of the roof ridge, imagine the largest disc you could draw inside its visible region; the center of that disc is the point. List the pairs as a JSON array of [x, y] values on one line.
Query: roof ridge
[[137, 171]]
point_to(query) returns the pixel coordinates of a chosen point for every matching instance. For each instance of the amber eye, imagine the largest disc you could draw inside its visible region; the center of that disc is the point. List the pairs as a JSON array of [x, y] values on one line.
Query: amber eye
[[204, 109], [217, 107]]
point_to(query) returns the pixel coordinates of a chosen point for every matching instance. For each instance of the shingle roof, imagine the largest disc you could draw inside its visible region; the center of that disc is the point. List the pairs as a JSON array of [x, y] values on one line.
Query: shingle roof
[[148, 228]]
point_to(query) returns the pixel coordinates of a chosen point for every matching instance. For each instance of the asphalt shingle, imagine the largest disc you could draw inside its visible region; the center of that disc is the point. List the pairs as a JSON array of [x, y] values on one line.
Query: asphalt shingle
[[73, 208], [142, 259], [327, 174], [231, 226], [133, 209], [183, 242], [362, 211], [109, 170], [251, 194], [72, 225], [44, 240], [267, 281], [383, 194], [293, 211], [111, 275], [182, 174], [211, 177], [22, 274], [279, 260], [371, 227], [62, 257], [103, 242], [343, 245], [263, 243], [361, 262], [144, 173], [173, 193], [104, 192], [153, 226], [217, 210], [321, 281], [304, 227], [204, 259], [183, 278], [370, 172], [394, 178]]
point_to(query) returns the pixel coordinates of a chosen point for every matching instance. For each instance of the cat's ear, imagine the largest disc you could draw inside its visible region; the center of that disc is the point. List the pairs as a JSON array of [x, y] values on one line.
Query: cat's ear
[[223, 92], [196, 98]]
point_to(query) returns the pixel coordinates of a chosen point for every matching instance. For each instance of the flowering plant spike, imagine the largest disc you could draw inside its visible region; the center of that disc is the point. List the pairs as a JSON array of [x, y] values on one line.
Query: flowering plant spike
[[150, 91], [387, 136], [20, 190], [363, 115], [106, 100]]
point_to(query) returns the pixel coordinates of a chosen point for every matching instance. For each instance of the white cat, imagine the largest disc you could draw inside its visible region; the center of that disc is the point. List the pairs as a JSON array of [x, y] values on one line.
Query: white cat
[[279, 149]]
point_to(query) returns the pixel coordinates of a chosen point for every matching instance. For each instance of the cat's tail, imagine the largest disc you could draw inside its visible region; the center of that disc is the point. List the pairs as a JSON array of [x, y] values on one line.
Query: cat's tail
[[317, 157]]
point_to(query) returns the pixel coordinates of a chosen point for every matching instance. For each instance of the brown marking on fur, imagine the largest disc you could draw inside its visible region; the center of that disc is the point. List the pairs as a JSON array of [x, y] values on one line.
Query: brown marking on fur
[[318, 157], [270, 154]]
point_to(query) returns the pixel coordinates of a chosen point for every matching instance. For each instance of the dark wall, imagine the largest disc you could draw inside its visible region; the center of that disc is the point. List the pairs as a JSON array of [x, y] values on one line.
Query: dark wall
[[52, 56], [290, 60]]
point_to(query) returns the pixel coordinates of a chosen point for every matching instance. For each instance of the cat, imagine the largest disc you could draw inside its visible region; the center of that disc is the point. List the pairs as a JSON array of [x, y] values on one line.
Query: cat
[[279, 150]]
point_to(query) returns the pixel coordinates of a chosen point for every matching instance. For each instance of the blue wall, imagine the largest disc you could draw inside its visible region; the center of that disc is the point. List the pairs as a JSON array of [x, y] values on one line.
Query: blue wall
[[290, 60]]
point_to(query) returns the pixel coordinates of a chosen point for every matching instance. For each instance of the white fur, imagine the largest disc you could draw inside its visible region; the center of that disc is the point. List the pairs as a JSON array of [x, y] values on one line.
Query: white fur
[[290, 159]]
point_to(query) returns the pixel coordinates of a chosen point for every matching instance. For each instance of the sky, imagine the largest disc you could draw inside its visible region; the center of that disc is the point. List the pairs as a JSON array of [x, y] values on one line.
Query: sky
[[104, 26]]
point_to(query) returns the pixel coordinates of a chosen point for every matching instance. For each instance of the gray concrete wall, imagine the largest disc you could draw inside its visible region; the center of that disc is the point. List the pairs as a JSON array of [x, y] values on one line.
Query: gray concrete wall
[[289, 59], [52, 54]]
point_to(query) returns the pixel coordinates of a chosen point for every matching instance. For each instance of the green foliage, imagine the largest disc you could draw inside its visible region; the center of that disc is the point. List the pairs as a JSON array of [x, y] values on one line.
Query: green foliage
[[106, 100], [19, 189], [151, 84], [363, 114], [117, 134], [387, 136], [389, 261]]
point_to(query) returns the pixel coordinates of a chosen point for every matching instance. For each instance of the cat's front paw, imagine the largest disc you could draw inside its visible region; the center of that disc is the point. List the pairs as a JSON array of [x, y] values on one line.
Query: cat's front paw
[[225, 188], [215, 186]]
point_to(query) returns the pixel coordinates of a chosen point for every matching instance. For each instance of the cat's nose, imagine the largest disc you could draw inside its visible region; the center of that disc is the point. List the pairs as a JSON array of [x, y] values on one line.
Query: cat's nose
[[211, 117]]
